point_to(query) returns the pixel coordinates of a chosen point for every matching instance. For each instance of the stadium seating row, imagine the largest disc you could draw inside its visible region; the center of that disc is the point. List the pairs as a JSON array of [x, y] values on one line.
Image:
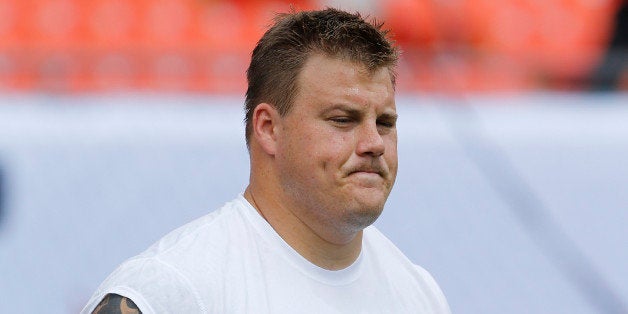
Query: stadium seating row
[[203, 45]]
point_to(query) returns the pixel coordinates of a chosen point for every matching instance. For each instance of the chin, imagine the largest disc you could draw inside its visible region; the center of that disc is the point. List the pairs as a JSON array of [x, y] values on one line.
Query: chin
[[370, 199], [366, 210], [359, 219]]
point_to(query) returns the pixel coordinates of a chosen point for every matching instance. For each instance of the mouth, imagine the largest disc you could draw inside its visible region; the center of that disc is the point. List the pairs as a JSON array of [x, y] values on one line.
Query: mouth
[[367, 172], [371, 170], [367, 179]]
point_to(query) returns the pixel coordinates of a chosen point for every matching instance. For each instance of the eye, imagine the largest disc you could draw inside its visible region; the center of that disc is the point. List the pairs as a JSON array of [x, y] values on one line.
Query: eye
[[386, 123], [341, 119]]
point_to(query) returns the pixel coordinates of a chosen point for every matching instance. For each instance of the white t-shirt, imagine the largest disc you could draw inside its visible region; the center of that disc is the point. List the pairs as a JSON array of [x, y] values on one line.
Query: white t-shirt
[[232, 261]]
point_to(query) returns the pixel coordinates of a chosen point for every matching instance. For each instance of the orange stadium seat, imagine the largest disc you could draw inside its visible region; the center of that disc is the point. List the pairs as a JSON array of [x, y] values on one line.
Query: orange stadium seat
[[12, 31]]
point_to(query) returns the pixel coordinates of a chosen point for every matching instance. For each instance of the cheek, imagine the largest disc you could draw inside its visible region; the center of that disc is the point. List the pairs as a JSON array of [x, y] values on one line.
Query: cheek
[[391, 155], [329, 142], [319, 147], [312, 148], [338, 148]]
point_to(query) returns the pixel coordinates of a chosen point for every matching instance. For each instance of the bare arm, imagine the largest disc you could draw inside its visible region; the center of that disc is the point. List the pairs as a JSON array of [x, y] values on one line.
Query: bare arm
[[116, 304]]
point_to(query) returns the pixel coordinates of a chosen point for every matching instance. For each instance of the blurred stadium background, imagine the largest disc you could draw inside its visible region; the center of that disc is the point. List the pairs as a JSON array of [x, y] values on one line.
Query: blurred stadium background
[[121, 120]]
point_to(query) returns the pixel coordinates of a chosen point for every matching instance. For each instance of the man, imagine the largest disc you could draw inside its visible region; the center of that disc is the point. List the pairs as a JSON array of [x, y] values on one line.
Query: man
[[320, 127]]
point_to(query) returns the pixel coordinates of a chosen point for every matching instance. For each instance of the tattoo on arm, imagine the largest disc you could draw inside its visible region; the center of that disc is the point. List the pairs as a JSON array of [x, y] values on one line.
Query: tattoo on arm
[[116, 304]]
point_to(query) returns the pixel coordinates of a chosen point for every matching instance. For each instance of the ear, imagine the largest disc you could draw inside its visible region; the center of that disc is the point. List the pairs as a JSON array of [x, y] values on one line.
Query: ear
[[266, 122]]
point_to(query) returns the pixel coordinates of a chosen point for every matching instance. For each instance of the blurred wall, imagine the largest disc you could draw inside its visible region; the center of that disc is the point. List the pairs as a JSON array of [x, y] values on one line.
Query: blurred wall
[[516, 204]]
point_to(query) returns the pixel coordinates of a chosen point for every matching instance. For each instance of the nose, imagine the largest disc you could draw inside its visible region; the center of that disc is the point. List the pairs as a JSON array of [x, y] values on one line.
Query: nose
[[370, 141]]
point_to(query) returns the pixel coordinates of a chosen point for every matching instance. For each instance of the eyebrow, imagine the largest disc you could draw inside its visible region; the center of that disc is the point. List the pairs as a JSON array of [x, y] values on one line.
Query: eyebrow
[[343, 107], [389, 116]]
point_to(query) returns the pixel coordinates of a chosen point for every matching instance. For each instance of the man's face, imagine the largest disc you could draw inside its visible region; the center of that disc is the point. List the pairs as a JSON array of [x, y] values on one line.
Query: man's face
[[337, 149]]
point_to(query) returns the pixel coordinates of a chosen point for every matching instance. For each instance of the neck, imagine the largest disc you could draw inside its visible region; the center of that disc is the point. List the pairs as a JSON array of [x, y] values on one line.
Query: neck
[[327, 250]]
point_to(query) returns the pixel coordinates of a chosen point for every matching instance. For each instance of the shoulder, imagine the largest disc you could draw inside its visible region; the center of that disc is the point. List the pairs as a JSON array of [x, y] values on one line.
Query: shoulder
[[433, 291], [203, 228], [166, 274], [152, 285], [388, 259]]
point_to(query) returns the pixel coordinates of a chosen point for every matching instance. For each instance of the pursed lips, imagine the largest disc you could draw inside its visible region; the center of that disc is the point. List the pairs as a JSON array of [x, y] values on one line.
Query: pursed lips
[[368, 171]]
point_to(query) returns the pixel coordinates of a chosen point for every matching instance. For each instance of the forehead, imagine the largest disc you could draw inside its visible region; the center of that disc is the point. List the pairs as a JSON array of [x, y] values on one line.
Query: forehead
[[328, 80]]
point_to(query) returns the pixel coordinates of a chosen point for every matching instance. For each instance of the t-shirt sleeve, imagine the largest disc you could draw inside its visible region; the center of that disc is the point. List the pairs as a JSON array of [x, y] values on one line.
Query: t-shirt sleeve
[[154, 286]]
